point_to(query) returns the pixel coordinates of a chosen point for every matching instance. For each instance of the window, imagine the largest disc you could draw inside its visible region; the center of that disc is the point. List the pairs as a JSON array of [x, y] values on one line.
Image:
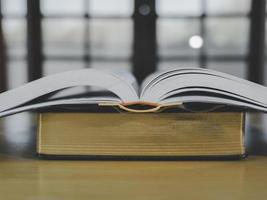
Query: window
[[87, 33], [14, 31], [101, 34], [205, 33]]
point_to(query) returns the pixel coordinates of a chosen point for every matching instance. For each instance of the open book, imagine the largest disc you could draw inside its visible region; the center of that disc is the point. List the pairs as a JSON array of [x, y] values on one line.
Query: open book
[[174, 87]]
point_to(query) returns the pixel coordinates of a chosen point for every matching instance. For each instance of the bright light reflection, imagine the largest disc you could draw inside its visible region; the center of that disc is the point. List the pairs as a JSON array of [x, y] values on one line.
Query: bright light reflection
[[196, 41]]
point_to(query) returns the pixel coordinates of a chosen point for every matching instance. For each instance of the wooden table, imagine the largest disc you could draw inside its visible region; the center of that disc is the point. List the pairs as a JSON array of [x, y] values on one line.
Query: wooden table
[[34, 179], [24, 176]]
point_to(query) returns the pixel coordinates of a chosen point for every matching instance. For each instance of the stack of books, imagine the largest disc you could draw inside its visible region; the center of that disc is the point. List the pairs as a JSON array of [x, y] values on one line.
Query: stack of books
[[183, 113]]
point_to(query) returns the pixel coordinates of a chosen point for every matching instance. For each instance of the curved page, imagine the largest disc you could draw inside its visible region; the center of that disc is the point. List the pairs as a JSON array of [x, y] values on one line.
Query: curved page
[[199, 80], [86, 77], [213, 100], [156, 78], [76, 101]]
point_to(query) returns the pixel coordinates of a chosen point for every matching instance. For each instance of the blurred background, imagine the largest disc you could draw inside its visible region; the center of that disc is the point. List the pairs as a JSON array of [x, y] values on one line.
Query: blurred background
[[42, 37]]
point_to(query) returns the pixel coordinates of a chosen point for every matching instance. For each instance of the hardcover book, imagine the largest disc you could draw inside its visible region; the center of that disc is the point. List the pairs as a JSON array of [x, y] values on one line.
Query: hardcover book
[[151, 135], [172, 113]]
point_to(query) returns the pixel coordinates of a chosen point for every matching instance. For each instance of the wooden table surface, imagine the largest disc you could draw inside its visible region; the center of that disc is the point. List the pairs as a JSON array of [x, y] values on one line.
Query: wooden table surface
[[31, 179], [24, 176]]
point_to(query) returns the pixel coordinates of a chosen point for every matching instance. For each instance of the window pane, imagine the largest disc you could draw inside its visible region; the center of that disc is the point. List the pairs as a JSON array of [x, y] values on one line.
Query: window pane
[[265, 72], [182, 7], [62, 7], [13, 7], [227, 36], [173, 36], [266, 38], [228, 6], [168, 65], [111, 37], [52, 67], [18, 132], [237, 68], [15, 36], [16, 73], [63, 37], [114, 7], [111, 66], [17, 126]]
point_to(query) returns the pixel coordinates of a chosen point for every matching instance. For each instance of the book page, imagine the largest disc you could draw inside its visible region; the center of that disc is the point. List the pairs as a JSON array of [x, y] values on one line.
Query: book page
[[60, 102], [124, 90], [214, 100], [197, 80]]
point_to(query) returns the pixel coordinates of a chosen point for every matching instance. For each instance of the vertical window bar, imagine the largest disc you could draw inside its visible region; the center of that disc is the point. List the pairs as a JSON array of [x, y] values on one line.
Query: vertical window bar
[[3, 81], [34, 40], [257, 41], [144, 54], [202, 53], [86, 34]]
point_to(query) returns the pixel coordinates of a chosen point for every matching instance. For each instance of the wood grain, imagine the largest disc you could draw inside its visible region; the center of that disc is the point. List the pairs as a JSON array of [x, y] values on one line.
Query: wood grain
[[27, 179]]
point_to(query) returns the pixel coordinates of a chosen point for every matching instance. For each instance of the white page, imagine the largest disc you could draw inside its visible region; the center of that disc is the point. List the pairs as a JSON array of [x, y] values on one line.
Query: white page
[[157, 77], [247, 91], [214, 100], [156, 90], [86, 77], [74, 101], [212, 92]]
